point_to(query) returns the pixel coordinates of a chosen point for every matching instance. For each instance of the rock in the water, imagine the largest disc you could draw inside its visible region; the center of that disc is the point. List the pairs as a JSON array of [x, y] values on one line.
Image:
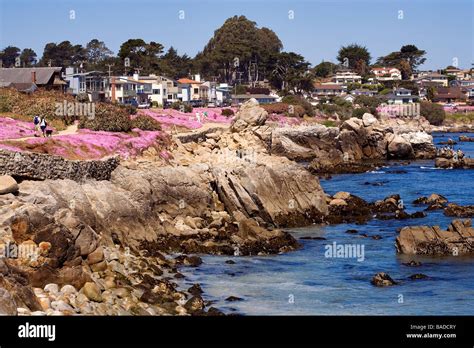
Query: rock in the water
[[456, 210], [418, 276], [8, 185], [383, 279], [458, 239], [399, 147]]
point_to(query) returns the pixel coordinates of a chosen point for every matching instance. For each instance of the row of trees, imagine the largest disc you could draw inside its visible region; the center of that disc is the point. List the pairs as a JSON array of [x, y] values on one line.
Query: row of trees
[[239, 51]]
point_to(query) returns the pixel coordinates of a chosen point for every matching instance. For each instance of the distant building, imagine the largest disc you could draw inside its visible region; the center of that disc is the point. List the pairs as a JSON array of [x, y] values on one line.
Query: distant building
[[193, 89], [92, 83], [261, 98], [363, 91], [400, 96], [386, 74], [459, 74], [345, 77], [439, 79], [449, 95], [328, 90], [31, 78]]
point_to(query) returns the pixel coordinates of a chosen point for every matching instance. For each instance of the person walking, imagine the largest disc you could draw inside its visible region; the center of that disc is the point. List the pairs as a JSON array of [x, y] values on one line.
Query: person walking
[[36, 122], [43, 125]]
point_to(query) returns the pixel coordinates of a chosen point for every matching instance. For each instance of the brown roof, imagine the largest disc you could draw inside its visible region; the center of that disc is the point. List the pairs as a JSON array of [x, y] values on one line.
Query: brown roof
[[186, 80], [23, 75]]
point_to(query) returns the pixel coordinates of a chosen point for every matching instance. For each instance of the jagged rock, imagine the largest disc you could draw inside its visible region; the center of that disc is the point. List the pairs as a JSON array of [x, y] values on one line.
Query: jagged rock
[[8, 185], [465, 138], [250, 114], [456, 240], [456, 210], [433, 200], [383, 279]]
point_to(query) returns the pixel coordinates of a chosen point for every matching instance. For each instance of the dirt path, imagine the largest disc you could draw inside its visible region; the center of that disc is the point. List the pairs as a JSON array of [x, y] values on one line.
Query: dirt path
[[72, 129]]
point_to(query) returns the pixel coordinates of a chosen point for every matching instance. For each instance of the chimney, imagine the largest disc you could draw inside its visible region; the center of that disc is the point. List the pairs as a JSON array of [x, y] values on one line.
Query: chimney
[[113, 90], [33, 77], [197, 78]]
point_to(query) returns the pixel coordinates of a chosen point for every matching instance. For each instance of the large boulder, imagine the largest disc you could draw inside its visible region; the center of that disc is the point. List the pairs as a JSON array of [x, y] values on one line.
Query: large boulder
[[399, 147], [8, 185], [250, 114]]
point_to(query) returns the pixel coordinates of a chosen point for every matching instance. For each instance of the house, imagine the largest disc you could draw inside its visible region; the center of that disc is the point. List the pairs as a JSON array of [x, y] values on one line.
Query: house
[[92, 83], [459, 74], [449, 95], [363, 91], [163, 89], [25, 78], [193, 89], [386, 74], [261, 98], [346, 76], [349, 98], [439, 79], [328, 90], [400, 96], [125, 89]]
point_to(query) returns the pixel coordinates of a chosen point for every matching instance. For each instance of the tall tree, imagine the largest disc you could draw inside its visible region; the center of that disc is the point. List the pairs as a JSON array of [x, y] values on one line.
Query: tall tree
[[324, 69], [407, 59], [63, 54], [239, 50], [143, 56], [97, 51], [291, 73], [355, 57], [9, 55], [173, 65], [28, 57]]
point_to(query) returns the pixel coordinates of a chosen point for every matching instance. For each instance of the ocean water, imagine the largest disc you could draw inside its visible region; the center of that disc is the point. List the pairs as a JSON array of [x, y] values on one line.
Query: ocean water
[[305, 282]]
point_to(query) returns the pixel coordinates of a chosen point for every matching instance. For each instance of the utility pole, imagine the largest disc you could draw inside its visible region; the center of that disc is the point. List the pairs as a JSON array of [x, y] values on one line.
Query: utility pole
[[110, 66]]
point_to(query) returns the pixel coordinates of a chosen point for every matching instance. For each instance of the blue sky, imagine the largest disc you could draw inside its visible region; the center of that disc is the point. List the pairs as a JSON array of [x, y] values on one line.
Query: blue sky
[[319, 27]]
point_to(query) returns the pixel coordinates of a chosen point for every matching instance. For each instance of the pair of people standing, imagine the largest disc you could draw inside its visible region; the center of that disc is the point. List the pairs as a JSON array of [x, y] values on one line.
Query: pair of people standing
[[40, 123]]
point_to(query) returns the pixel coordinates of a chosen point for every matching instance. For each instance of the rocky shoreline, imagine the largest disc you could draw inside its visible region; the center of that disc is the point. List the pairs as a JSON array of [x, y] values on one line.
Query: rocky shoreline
[[116, 246]]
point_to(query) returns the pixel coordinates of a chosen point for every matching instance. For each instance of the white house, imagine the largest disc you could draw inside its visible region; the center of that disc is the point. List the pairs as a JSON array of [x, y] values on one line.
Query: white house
[[345, 77], [386, 74]]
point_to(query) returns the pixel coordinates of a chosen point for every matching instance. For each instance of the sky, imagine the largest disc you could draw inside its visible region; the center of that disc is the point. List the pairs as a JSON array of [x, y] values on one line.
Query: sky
[[314, 28]]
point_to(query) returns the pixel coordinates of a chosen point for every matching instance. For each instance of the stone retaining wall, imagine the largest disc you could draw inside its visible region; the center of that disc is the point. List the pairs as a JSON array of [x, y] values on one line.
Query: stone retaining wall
[[36, 166]]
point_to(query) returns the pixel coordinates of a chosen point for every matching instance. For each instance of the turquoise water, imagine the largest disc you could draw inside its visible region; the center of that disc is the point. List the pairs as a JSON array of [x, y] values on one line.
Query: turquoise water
[[305, 282]]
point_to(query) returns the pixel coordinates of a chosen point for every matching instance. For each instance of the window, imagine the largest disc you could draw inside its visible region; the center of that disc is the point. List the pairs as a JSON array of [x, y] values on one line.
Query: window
[[196, 90], [170, 96], [156, 91]]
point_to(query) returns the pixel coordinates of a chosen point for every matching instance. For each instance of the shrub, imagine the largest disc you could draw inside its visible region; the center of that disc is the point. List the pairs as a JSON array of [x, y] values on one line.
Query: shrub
[[329, 123], [183, 107], [360, 112], [434, 113], [364, 100], [108, 118], [285, 109], [146, 123], [82, 98], [296, 100], [154, 104], [227, 112], [5, 105]]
